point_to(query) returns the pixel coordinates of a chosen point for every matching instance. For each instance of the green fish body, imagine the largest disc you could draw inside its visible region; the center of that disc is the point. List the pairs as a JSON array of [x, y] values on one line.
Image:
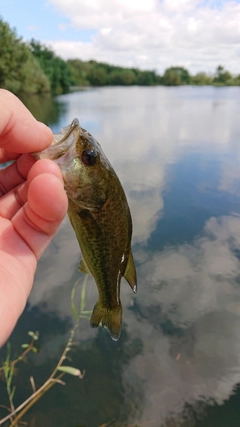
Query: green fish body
[[100, 216]]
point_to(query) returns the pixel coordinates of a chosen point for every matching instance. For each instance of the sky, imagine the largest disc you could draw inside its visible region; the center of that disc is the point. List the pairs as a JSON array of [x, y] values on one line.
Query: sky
[[148, 34]]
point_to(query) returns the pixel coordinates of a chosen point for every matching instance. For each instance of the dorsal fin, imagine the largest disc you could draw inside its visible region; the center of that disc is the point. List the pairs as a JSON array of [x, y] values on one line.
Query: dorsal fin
[[130, 273]]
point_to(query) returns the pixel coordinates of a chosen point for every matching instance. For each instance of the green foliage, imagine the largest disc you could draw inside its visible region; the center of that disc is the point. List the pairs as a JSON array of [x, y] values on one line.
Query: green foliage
[[54, 67], [81, 313], [19, 71], [32, 77], [176, 76], [93, 73], [36, 69], [147, 78], [201, 79], [122, 77], [224, 78], [97, 76], [8, 370], [79, 71], [70, 370]]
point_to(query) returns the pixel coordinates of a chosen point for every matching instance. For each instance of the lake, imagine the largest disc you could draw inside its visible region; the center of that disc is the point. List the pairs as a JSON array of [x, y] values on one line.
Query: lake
[[176, 151]]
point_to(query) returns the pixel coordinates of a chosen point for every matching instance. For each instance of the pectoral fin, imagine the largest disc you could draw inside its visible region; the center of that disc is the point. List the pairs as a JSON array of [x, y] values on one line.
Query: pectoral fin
[[83, 268], [130, 273]]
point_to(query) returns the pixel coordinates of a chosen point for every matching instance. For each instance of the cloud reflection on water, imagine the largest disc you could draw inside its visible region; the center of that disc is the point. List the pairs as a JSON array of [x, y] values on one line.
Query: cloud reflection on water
[[192, 342], [187, 310]]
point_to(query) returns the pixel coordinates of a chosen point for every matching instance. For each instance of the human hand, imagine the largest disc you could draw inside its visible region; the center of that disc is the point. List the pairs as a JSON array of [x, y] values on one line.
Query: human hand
[[32, 205]]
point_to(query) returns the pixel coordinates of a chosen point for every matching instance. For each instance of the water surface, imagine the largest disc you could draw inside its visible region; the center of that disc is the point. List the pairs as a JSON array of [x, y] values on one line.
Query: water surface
[[177, 362]]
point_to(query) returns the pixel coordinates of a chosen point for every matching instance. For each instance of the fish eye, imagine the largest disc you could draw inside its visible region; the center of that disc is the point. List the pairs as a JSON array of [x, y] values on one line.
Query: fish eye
[[89, 157]]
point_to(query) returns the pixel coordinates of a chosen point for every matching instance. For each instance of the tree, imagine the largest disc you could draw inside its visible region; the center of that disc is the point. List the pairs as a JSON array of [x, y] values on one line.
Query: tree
[[79, 72], [147, 78], [201, 79], [222, 77], [97, 76], [19, 71], [175, 76], [100, 74], [55, 68], [124, 77]]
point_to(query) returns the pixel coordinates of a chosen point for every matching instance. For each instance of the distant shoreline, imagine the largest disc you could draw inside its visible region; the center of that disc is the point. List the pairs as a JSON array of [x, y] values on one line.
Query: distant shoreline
[[82, 88], [33, 68]]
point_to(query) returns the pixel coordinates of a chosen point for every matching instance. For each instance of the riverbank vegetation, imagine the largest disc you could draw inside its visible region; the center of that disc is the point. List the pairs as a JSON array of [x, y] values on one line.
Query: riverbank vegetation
[[34, 68]]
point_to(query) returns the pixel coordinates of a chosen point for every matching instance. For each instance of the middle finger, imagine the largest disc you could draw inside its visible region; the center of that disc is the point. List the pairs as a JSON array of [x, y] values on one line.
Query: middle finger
[[15, 174], [11, 202]]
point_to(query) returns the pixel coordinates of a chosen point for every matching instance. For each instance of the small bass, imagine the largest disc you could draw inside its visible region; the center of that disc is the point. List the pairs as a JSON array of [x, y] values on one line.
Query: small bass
[[100, 216]]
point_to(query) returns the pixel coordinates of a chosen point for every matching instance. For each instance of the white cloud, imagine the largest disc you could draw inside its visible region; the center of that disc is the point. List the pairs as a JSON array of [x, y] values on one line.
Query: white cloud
[[205, 307], [170, 32], [105, 31]]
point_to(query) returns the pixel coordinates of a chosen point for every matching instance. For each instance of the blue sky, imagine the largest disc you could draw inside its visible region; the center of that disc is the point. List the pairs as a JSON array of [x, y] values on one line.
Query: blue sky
[[149, 34], [40, 20]]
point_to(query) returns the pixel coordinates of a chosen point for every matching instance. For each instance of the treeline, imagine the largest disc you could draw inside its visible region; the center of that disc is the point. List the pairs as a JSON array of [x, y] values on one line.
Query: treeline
[[93, 73], [35, 68]]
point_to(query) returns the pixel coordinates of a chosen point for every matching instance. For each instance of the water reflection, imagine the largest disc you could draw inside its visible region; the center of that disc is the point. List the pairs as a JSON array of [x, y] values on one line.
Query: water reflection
[[176, 152], [44, 107], [190, 314]]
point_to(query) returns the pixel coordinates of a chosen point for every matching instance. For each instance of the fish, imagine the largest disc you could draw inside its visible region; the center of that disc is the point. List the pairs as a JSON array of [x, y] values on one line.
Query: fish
[[100, 216]]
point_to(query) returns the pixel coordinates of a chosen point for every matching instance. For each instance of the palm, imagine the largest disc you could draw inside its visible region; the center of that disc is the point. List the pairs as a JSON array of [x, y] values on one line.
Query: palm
[[32, 205], [28, 221]]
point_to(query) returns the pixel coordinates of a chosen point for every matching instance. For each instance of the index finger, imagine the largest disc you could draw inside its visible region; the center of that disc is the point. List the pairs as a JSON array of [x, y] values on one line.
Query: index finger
[[20, 132]]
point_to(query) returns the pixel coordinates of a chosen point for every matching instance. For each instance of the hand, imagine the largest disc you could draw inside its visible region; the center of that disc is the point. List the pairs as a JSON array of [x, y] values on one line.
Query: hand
[[32, 205]]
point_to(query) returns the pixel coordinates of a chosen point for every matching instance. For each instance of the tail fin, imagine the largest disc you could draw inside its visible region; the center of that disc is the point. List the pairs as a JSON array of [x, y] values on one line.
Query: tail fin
[[111, 318]]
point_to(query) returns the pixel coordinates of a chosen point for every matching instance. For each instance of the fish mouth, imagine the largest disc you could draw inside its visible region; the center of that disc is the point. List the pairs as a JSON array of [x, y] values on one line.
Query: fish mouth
[[61, 137], [62, 149]]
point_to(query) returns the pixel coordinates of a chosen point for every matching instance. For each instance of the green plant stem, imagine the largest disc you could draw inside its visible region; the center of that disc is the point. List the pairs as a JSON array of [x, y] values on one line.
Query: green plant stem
[[26, 405], [35, 397], [9, 373], [24, 353], [9, 392]]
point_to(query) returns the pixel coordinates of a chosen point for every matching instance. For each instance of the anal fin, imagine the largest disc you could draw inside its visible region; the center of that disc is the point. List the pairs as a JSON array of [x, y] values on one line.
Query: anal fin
[[130, 273]]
